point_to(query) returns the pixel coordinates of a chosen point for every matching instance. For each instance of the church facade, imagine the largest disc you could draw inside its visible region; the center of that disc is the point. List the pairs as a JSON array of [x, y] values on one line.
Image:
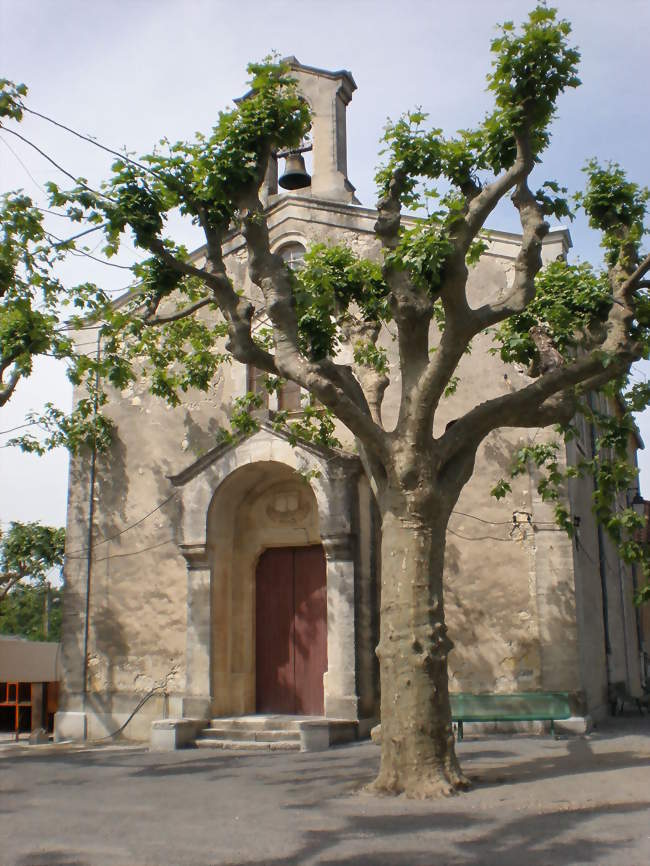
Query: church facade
[[242, 578]]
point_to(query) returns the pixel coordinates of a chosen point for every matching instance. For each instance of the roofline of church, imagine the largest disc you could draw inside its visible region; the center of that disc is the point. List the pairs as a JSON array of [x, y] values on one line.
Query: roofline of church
[[293, 63], [284, 201]]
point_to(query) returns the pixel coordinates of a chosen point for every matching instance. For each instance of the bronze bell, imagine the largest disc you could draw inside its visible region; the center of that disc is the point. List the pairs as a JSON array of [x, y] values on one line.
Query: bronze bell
[[295, 174]]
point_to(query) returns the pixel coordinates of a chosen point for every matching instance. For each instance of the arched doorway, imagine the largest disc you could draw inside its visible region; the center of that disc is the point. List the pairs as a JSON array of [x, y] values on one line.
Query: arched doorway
[[290, 630], [239, 501], [263, 519]]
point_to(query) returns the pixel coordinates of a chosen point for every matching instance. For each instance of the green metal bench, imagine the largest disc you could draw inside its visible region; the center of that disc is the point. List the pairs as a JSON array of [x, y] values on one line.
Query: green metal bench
[[520, 707]]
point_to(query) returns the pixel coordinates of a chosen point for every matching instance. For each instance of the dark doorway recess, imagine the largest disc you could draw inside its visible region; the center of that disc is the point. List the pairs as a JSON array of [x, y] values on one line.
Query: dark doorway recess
[[291, 630]]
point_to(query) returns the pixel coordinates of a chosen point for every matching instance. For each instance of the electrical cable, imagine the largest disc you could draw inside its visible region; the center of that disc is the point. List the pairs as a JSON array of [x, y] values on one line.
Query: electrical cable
[[130, 553], [141, 703], [482, 520], [30, 175], [159, 688], [71, 554], [77, 252], [20, 426], [53, 212], [56, 164], [62, 241], [94, 142], [476, 537]]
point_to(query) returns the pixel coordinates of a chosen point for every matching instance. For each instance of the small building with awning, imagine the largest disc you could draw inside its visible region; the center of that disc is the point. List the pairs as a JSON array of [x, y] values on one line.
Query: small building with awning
[[29, 684]]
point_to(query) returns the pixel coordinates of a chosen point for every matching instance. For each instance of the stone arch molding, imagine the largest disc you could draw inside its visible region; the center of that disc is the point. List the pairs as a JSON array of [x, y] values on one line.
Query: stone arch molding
[[331, 486], [220, 677]]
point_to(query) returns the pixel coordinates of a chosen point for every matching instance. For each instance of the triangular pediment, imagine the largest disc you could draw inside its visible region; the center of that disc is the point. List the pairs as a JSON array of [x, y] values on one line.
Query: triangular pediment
[[260, 443]]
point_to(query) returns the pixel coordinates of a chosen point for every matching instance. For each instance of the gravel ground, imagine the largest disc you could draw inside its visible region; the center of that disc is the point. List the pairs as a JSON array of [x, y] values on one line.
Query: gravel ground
[[537, 801]]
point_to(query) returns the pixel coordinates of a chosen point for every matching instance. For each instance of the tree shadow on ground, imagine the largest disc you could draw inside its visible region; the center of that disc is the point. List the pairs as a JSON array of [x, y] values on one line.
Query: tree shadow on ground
[[52, 858], [96, 761], [346, 774], [556, 766], [531, 839]]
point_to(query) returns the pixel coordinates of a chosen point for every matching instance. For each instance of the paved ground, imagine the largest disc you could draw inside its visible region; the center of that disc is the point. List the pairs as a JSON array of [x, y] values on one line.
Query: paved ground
[[537, 802]]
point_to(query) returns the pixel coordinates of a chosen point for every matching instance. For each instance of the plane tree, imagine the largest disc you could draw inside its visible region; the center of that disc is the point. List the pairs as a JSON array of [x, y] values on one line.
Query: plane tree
[[28, 554], [578, 329]]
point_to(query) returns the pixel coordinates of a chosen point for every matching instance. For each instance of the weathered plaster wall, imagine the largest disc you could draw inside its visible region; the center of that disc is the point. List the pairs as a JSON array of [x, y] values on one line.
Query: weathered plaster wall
[[138, 575], [607, 619]]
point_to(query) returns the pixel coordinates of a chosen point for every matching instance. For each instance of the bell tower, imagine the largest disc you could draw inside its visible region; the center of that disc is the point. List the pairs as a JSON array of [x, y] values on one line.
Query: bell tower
[[328, 94]]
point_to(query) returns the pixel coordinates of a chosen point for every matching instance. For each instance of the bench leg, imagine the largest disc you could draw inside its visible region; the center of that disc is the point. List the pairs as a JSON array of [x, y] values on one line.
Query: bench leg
[[460, 731], [552, 728]]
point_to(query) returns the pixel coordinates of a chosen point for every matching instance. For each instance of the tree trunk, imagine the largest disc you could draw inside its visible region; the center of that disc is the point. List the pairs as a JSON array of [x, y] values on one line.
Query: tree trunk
[[417, 740]]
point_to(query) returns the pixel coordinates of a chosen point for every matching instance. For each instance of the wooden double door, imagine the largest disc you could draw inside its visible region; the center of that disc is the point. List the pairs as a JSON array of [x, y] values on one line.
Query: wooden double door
[[291, 630]]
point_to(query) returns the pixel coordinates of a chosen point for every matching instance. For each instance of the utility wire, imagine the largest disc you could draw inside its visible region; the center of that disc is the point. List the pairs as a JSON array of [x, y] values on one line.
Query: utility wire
[[482, 520], [62, 241], [158, 688], [56, 164], [77, 252], [53, 212], [31, 176], [94, 142], [476, 537], [71, 554], [19, 427], [501, 522], [129, 553]]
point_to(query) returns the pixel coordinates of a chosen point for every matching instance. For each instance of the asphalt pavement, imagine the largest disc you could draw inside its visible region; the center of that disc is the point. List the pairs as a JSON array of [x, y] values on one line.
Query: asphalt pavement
[[537, 801]]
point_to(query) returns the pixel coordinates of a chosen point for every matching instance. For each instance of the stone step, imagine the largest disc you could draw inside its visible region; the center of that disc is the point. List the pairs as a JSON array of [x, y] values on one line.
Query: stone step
[[260, 723], [204, 742], [261, 736]]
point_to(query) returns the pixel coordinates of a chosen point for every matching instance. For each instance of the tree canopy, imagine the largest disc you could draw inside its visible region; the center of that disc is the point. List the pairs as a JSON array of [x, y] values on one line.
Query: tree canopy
[[30, 557], [28, 554]]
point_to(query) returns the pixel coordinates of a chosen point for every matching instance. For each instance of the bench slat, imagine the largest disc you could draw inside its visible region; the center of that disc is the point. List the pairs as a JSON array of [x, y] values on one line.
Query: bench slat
[[524, 706]]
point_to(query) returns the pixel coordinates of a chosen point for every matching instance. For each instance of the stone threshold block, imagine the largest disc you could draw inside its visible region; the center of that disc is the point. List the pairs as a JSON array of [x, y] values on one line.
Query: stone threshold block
[[167, 735], [70, 726], [318, 735]]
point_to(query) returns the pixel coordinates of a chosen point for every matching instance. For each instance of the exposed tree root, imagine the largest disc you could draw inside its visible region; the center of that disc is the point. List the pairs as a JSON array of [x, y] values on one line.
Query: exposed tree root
[[430, 786]]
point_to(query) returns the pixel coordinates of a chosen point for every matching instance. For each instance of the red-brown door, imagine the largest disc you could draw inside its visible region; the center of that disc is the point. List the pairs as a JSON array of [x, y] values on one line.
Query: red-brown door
[[291, 630]]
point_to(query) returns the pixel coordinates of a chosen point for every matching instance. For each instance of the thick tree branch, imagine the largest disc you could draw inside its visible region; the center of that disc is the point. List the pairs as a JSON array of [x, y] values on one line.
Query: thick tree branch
[[461, 322], [547, 400], [482, 205], [237, 311], [333, 384], [179, 314], [373, 382], [527, 263], [435, 379], [412, 308], [8, 581], [551, 397], [633, 281], [478, 208]]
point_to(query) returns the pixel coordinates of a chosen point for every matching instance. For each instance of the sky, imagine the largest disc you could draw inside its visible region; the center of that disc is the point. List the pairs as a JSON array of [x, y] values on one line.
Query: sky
[[129, 73]]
